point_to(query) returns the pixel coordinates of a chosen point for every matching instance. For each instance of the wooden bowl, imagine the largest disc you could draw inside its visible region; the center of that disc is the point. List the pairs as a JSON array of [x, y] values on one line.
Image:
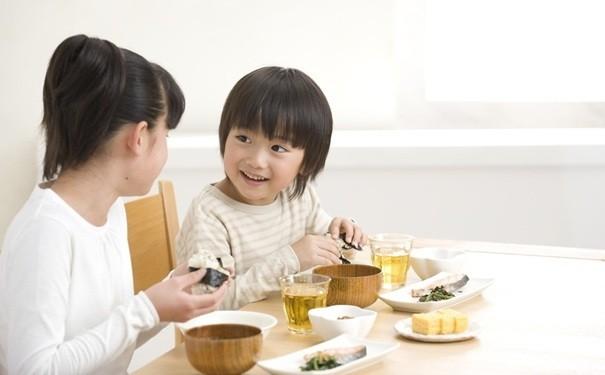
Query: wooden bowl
[[352, 284], [223, 348]]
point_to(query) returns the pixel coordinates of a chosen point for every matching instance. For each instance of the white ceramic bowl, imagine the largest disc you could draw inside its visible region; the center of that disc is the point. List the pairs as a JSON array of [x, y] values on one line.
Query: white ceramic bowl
[[334, 320], [429, 261], [263, 321]]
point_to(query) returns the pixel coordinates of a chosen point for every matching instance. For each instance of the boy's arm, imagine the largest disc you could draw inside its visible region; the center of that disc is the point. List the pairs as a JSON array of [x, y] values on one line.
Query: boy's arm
[[318, 221], [260, 279], [202, 230]]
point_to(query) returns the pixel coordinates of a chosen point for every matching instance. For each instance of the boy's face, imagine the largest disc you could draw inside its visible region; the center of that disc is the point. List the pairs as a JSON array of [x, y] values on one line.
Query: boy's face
[[257, 167]]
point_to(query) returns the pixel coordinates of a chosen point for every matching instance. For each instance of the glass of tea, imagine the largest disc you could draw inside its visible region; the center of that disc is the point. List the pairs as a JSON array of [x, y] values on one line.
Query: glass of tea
[[391, 253], [300, 293]]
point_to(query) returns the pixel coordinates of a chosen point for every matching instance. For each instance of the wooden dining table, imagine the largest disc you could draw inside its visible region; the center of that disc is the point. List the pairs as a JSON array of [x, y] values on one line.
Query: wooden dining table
[[544, 314]]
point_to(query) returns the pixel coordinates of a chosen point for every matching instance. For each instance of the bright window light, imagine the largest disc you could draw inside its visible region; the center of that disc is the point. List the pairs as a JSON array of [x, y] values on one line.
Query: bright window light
[[431, 138], [515, 50]]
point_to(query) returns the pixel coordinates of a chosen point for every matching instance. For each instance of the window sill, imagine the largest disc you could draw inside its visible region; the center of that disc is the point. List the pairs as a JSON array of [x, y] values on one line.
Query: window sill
[[427, 148]]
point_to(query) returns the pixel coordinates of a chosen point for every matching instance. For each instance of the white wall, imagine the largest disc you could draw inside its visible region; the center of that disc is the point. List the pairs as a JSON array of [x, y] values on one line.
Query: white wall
[[368, 58], [544, 195], [207, 45], [548, 191]]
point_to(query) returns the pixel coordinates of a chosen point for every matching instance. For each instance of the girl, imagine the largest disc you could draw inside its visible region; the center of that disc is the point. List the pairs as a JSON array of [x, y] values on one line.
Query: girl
[[274, 136], [65, 274]]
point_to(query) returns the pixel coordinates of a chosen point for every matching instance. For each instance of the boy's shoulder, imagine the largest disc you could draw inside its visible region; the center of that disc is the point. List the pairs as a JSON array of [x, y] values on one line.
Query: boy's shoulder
[[207, 194], [206, 191], [310, 193], [212, 200]]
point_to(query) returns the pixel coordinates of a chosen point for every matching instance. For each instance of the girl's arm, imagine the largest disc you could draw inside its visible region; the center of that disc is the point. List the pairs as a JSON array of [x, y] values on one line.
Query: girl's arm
[[39, 288]]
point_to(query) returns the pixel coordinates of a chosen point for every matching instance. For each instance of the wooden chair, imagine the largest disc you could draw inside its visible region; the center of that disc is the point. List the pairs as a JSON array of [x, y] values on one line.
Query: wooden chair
[[152, 227]]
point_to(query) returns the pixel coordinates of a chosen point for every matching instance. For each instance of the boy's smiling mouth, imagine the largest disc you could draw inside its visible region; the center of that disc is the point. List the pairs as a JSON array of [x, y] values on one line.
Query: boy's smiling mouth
[[253, 177]]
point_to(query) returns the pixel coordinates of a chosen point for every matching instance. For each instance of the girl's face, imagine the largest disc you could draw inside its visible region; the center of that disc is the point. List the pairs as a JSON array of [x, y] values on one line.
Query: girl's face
[[258, 168]]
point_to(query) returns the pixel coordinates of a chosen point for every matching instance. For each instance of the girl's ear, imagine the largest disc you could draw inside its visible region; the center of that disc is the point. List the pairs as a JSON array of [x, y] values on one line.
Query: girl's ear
[[137, 136]]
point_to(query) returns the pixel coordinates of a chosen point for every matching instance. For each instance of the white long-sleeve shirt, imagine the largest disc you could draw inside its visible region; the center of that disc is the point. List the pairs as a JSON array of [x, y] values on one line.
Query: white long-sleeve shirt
[[258, 238], [66, 292]]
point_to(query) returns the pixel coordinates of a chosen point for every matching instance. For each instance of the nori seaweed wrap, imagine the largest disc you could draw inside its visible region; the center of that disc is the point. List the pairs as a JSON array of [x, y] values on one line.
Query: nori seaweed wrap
[[215, 274], [214, 278], [347, 250]]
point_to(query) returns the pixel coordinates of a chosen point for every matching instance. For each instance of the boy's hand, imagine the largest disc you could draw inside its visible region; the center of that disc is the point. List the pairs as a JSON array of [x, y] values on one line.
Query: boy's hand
[[352, 231], [313, 250], [174, 304]]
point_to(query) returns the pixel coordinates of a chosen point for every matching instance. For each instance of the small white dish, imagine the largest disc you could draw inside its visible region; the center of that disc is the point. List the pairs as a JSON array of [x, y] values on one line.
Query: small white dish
[[429, 261], [402, 300], [329, 322], [290, 364], [404, 328], [263, 321]]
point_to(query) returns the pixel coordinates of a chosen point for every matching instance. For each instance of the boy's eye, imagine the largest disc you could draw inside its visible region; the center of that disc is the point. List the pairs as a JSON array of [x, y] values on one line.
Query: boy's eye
[[242, 138], [278, 148]]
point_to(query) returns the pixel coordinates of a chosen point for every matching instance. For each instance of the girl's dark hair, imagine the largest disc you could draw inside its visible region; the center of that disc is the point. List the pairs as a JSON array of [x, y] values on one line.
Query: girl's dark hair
[[282, 103], [93, 88]]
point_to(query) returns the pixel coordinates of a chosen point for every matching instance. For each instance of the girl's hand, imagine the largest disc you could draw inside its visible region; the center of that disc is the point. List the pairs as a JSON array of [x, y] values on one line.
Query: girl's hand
[[181, 269], [174, 304], [352, 231], [313, 250]]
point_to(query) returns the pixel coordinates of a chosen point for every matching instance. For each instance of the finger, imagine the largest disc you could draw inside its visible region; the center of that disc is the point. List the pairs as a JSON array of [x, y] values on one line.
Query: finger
[[330, 246], [190, 278], [347, 227], [199, 311], [331, 257], [206, 310], [335, 227], [357, 235], [222, 290], [364, 239], [327, 239], [209, 302], [322, 260], [181, 269], [202, 301], [221, 295]]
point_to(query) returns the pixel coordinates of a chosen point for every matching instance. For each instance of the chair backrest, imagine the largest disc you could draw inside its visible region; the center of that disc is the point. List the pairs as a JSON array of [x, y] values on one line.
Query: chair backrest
[[152, 227]]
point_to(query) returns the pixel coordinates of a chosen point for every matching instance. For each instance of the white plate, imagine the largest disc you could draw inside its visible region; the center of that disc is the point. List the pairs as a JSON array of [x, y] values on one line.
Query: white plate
[[404, 328], [263, 321], [402, 300], [289, 364]]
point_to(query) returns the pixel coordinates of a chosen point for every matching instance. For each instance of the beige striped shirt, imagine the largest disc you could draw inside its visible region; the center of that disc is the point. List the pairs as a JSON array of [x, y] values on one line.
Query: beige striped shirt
[[258, 238]]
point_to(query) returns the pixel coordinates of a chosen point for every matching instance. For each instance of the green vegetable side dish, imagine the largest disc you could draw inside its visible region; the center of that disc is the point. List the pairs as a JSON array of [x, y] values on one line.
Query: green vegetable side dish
[[438, 293], [320, 362]]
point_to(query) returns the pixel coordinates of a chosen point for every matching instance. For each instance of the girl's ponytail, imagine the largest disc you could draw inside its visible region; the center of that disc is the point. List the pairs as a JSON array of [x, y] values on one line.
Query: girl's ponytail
[[84, 81], [92, 88]]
